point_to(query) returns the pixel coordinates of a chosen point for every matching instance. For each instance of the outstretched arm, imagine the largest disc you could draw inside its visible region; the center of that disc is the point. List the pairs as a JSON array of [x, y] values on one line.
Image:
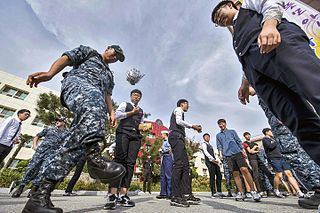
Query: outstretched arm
[[35, 78]]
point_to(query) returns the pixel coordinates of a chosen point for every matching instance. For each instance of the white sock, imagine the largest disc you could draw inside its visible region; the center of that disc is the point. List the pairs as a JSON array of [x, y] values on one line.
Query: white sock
[[276, 191]]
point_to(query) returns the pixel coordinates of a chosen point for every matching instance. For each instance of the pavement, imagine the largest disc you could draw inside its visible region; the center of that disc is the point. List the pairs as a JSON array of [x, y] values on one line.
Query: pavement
[[87, 201]]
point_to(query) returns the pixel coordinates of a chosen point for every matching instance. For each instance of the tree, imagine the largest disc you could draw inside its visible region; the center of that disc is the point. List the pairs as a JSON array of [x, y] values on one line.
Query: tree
[[49, 108]]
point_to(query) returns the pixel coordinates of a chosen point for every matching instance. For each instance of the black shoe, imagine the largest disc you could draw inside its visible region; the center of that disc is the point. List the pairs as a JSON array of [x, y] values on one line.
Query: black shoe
[[179, 202], [33, 190], [161, 197], [111, 203], [18, 191], [126, 202], [101, 168], [40, 202], [310, 203], [149, 192], [192, 200]]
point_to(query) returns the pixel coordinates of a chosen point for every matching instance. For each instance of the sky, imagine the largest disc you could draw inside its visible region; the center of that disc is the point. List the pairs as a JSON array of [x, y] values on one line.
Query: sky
[[182, 54]]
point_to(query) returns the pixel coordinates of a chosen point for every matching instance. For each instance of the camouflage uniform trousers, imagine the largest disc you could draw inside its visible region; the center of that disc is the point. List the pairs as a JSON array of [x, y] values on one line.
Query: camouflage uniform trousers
[[307, 171], [32, 172], [87, 103], [227, 174]]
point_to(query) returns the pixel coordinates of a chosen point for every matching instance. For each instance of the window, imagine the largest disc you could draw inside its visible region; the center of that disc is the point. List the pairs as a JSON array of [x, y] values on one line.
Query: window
[[6, 112], [13, 92], [38, 122], [202, 160]]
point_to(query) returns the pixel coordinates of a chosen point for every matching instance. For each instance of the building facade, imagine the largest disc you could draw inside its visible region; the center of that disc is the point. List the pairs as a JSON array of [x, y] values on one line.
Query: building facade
[[15, 95]]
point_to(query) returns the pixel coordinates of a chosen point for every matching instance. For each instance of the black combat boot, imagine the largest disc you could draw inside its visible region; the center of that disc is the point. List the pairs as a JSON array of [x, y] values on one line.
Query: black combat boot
[[33, 190], [18, 191], [40, 201], [101, 168], [311, 203]]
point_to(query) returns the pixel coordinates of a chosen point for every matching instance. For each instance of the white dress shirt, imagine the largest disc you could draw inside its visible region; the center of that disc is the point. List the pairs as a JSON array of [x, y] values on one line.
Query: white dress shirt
[[121, 112], [270, 9], [178, 112], [8, 129], [205, 151]]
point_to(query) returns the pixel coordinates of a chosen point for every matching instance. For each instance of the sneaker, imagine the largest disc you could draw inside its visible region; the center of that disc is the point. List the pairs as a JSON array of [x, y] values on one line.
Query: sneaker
[[263, 194], [286, 194], [218, 195], [310, 203], [221, 195], [256, 196], [240, 196], [18, 191], [161, 197], [111, 203], [229, 194], [12, 187], [126, 202], [179, 202], [278, 194], [69, 194], [248, 195], [192, 200], [300, 194]]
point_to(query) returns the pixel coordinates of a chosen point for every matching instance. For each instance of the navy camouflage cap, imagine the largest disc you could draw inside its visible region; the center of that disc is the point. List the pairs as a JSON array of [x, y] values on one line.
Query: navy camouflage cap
[[119, 52]]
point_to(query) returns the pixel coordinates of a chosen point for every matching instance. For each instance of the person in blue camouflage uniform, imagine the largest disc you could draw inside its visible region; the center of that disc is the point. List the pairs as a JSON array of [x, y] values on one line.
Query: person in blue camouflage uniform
[[228, 176], [307, 171], [53, 138], [86, 91]]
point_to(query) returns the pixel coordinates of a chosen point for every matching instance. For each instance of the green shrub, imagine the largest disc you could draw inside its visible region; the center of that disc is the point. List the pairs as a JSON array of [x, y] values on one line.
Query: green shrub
[[9, 175]]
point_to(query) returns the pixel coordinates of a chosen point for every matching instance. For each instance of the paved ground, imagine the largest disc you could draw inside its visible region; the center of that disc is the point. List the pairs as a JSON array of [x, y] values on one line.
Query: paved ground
[[94, 202]]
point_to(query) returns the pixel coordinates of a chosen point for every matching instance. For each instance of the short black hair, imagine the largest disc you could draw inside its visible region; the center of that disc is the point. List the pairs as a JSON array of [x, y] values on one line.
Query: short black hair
[[23, 111], [221, 120], [205, 135], [221, 4], [265, 130], [246, 133], [136, 91], [181, 101]]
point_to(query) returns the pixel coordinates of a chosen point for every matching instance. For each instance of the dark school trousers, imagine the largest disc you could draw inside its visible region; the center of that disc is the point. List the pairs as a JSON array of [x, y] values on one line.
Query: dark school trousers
[[287, 79], [180, 168], [215, 177]]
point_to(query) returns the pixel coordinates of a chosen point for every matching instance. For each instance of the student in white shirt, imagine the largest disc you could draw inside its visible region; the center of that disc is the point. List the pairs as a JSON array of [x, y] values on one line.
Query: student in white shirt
[[10, 131]]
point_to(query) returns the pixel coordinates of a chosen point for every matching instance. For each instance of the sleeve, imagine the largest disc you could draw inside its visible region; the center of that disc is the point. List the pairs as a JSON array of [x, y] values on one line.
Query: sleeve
[[12, 130], [78, 54], [6, 123], [219, 145], [270, 9], [178, 113], [245, 145], [43, 133], [206, 153], [238, 140], [121, 111]]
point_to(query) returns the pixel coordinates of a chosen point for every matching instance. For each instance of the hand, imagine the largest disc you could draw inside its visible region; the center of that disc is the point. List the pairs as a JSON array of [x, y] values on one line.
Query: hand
[[16, 141], [252, 92], [35, 78], [112, 120], [215, 162], [243, 92], [269, 37], [135, 110], [198, 128]]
